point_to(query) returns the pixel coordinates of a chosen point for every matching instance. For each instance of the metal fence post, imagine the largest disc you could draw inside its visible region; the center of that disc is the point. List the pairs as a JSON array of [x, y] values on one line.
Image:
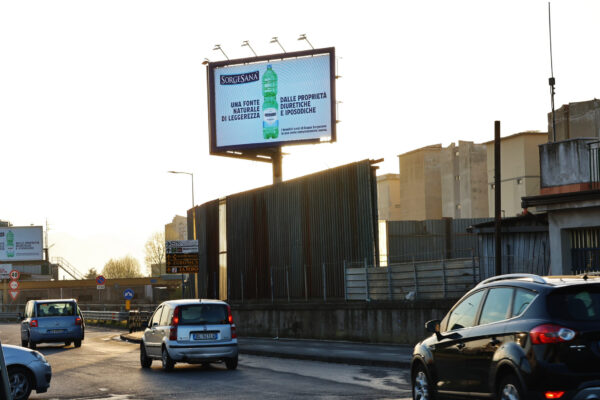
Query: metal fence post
[[444, 275], [345, 283], [287, 281], [367, 297], [272, 296], [242, 285], [416, 280], [324, 284], [305, 285], [390, 286]]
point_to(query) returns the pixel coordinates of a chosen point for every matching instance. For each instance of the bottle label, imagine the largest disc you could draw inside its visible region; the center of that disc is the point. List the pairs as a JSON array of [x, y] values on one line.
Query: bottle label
[[270, 116]]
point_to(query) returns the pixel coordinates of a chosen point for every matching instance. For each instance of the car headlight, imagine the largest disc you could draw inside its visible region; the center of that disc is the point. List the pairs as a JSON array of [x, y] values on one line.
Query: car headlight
[[40, 356]]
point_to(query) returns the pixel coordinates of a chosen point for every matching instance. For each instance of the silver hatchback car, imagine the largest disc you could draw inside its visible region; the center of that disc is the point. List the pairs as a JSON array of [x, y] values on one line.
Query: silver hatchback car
[[190, 331]]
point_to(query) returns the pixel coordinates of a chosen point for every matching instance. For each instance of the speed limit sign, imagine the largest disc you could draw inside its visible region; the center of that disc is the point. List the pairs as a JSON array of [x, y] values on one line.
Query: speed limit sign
[[14, 274], [14, 285]]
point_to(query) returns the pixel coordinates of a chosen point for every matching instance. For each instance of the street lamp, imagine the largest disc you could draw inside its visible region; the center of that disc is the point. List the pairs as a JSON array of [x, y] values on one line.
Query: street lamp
[[192, 175], [193, 224]]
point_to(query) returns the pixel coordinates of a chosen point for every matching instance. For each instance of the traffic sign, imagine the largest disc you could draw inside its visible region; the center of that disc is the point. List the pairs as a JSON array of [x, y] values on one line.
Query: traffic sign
[[14, 285], [128, 294], [100, 280], [100, 286], [5, 271], [15, 274], [14, 294]]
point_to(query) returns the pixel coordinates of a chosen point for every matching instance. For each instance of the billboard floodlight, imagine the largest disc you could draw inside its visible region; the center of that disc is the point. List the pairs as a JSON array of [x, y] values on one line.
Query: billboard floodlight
[[218, 47], [303, 37], [206, 61], [247, 43], [275, 40]]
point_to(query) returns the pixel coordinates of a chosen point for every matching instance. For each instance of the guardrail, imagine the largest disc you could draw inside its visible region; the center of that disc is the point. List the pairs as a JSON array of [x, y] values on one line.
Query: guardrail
[[106, 315], [10, 316]]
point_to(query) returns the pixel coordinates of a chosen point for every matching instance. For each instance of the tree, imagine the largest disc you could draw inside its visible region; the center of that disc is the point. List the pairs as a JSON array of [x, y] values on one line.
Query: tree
[[91, 274], [124, 267], [155, 250]]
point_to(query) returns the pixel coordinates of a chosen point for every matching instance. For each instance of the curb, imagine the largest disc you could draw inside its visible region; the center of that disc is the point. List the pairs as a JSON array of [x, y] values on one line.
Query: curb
[[313, 357]]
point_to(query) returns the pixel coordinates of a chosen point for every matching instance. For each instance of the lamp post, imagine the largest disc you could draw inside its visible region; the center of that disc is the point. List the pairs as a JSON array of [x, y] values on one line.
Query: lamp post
[[193, 225]]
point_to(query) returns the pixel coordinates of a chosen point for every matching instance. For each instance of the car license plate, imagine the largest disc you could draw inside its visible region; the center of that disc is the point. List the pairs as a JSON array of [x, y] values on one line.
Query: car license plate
[[205, 336], [56, 331]]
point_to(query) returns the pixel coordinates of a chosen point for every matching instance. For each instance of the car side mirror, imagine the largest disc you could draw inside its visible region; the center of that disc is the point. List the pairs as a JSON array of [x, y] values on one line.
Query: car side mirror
[[433, 326]]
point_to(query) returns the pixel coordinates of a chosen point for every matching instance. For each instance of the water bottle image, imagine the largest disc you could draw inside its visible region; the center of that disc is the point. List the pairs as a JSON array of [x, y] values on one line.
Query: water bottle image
[[10, 244], [270, 108]]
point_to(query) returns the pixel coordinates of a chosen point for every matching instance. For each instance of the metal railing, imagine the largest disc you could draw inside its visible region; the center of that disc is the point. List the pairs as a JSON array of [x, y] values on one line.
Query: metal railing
[[594, 152], [68, 268], [106, 315]]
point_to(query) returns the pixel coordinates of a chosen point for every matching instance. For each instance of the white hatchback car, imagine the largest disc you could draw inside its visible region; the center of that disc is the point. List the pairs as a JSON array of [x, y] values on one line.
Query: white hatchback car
[[191, 331]]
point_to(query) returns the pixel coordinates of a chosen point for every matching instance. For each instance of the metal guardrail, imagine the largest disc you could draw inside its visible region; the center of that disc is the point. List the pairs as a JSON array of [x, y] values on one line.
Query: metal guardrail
[[106, 315], [10, 315]]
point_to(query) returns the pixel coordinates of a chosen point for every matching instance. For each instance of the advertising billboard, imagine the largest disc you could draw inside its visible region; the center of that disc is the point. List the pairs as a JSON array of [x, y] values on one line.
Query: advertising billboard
[[21, 243], [270, 101]]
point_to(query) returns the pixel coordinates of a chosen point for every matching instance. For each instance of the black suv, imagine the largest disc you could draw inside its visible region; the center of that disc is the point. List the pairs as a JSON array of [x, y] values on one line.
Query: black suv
[[516, 336]]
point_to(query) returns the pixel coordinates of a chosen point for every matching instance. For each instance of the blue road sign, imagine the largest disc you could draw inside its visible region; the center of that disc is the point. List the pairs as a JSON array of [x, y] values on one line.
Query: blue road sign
[[128, 294]]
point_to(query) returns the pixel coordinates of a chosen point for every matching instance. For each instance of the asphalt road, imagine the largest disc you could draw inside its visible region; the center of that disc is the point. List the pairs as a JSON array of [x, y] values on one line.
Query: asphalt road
[[105, 367]]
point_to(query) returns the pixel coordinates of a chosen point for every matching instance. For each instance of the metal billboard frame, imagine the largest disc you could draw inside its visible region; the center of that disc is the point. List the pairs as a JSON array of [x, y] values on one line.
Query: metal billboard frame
[[264, 152]]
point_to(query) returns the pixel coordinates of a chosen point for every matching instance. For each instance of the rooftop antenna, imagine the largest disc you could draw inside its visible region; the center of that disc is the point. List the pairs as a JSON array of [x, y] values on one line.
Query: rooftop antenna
[[247, 43], [551, 81], [275, 40], [303, 37], [218, 47]]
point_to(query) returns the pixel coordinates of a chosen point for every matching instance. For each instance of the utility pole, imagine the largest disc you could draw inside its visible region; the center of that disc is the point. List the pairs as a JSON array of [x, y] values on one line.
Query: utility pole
[[497, 200]]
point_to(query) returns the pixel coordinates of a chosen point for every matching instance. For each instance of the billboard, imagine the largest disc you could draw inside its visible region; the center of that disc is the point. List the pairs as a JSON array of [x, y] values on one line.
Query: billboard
[[270, 101], [21, 243]]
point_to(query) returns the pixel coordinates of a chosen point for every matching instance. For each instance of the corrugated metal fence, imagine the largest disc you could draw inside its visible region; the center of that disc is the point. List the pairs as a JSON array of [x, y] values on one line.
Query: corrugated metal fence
[[289, 240], [441, 279]]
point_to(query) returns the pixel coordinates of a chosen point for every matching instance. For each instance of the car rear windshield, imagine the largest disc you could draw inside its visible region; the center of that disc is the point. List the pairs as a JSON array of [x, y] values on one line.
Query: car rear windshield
[[575, 303], [55, 309], [199, 314]]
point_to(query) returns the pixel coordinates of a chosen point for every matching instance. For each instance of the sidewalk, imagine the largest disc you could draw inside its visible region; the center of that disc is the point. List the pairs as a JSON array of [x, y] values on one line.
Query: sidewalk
[[397, 356]]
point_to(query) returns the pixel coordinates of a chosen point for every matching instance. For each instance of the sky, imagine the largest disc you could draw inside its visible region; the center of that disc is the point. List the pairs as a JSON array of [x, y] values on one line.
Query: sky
[[99, 99]]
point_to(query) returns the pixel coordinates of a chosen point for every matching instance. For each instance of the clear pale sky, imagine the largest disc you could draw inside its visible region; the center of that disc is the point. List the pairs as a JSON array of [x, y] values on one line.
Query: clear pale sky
[[99, 99]]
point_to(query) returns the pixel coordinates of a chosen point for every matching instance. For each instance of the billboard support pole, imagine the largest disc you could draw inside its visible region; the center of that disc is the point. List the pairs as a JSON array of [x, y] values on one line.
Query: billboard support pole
[[277, 158]]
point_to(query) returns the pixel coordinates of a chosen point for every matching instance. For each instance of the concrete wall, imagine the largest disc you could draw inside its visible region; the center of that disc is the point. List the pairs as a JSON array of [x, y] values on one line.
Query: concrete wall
[[584, 215], [575, 120], [177, 229], [388, 197], [520, 170], [464, 180], [420, 185], [565, 163], [381, 322]]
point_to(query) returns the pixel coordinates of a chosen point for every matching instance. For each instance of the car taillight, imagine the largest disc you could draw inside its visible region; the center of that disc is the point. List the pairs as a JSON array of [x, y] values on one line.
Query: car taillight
[[229, 316], [174, 323], [232, 325], [554, 395], [33, 323], [549, 333], [78, 321]]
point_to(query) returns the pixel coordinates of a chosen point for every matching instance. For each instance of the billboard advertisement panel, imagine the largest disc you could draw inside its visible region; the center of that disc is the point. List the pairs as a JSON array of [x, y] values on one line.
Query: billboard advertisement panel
[[21, 243], [272, 101]]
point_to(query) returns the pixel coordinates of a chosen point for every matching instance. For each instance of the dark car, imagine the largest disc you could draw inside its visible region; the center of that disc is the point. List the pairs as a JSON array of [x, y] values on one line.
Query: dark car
[[517, 336], [52, 321]]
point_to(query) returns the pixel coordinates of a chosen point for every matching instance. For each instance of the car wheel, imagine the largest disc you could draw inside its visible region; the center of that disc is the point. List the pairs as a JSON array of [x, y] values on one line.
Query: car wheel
[[231, 363], [24, 343], [20, 383], [421, 387], [167, 361], [31, 345], [144, 359], [78, 343], [67, 343], [510, 389]]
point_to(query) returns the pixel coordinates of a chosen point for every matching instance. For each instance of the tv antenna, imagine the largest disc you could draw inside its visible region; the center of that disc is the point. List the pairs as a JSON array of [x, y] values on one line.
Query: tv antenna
[[551, 81], [218, 47]]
